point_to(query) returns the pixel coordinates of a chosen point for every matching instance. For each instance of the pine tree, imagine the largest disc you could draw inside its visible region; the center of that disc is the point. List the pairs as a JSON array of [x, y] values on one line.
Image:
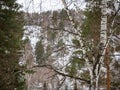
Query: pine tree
[[10, 41], [39, 52]]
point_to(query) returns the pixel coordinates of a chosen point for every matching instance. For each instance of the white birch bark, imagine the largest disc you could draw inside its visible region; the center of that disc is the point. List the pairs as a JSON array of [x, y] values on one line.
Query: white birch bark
[[66, 8], [103, 37], [103, 42], [89, 67], [103, 32]]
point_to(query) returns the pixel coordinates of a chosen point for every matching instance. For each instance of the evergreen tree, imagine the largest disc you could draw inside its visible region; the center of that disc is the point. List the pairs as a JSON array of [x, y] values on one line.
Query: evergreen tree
[[39, 52], [10, 41]]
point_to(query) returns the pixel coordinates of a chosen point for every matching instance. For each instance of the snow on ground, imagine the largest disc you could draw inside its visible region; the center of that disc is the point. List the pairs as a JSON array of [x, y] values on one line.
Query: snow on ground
[[33, 33]]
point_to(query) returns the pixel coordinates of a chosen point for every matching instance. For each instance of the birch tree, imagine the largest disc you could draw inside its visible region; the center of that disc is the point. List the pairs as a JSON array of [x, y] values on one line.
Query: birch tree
[[85, 45], [95, 68], [85, 49]]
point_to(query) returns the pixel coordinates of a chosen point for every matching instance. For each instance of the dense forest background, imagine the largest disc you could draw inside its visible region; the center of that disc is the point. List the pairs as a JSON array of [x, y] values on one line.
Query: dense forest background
[[66, 49]]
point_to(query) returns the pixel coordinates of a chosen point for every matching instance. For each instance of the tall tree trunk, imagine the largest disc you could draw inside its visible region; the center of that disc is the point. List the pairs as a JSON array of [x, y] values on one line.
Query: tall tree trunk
[[92, 79], [103, 39], [108, 69], [103, 32]]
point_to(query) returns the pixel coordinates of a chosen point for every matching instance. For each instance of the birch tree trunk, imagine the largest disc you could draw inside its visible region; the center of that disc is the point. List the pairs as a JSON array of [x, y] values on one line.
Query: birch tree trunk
[[89, 67], [103, 38], [103, 33]]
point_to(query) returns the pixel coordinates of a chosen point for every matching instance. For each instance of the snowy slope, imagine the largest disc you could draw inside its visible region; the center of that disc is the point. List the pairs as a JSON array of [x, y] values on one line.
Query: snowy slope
[[33, 33]]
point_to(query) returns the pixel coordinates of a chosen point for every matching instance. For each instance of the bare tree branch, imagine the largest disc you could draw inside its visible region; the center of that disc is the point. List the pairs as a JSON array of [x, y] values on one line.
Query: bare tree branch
[[63, 74], [59, 29]]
